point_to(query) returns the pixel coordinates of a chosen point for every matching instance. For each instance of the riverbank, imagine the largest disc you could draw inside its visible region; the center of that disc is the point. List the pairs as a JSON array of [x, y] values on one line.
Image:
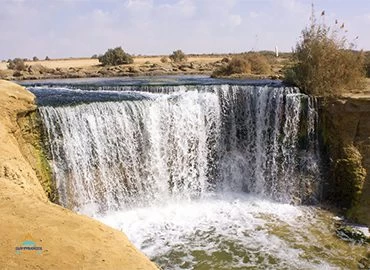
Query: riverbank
[[86, 68], [142, 66], [64, 239]]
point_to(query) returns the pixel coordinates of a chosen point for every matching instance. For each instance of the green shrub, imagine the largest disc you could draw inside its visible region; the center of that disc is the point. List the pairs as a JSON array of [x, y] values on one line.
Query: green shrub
[[115, 57], [324, 63], [178, 56], [17, 64]]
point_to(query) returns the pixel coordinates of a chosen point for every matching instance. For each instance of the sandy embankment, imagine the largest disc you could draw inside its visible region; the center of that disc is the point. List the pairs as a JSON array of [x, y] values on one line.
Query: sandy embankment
[[85, 68], [88, 62], [68, 240]]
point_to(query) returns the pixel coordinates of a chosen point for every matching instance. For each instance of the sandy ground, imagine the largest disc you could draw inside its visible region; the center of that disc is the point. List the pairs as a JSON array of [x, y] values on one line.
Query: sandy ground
[[87, 62], [360, 94], [3, 66], [62, 63], [68, 240]]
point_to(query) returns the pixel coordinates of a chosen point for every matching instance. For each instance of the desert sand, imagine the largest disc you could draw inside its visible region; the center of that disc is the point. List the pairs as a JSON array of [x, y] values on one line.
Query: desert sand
[[87, 67], [68, 240], [88, 62]]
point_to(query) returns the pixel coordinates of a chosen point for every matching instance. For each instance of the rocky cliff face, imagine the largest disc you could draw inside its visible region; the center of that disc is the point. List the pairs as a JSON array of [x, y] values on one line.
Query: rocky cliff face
[[345, 126], [68, 240]]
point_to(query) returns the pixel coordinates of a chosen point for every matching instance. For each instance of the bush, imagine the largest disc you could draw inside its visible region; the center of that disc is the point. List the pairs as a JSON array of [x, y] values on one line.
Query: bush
[[115, 57], [237, 65], [249, 63], [17, 64], [367, 64], [35, 58], [94, 56], [324, 63], [164, 59], [47, 58], [225, 60], [17, 73], [259, 63], [178, 56]]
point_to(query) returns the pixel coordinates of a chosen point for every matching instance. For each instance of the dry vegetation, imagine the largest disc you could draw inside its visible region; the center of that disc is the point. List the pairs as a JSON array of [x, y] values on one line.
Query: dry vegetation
[[90, 67], [248, 63], [263, 64], [324, 62]]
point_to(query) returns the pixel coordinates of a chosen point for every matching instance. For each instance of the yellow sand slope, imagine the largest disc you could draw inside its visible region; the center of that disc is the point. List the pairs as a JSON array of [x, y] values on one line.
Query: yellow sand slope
[[68, 240]]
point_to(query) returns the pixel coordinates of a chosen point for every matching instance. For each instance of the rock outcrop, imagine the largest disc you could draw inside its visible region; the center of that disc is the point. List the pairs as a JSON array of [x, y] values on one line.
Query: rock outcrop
[[345, 125], [68, 240]]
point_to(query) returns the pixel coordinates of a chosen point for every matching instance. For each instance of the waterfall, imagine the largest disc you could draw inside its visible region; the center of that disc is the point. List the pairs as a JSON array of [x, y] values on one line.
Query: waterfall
[[185, 142], [198, 173]]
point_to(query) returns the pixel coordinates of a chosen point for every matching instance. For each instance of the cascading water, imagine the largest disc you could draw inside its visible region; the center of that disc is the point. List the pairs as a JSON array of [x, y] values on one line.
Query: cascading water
[[189, 172], [182, 145]]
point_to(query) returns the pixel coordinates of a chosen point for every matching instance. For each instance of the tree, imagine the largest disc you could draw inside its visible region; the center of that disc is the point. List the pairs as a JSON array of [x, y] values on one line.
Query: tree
[[47, 58], [114, 57], [325, 63], [35, 58], [178, 56], [17, 64]]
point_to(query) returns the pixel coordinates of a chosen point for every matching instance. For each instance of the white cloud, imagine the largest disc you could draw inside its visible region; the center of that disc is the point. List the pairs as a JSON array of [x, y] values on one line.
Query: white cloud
[[293, 5], [254, 14], [83, 28], [139, 4], [232, 21]]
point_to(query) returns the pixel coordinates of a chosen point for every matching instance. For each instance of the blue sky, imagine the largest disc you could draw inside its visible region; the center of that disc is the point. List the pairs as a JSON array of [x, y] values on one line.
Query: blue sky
[[72, 28]]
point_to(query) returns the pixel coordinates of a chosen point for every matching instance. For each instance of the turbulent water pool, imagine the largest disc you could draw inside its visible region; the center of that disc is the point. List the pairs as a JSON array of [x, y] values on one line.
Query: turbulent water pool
[[199, 173], [235, 231]]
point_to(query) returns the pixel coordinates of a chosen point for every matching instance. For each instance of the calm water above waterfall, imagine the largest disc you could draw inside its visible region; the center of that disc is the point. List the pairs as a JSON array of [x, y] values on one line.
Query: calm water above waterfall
[[199, 173]]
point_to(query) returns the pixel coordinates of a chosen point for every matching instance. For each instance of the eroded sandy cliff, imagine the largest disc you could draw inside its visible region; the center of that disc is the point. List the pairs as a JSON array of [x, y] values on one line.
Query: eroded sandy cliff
[[345, 125], [68, 240]]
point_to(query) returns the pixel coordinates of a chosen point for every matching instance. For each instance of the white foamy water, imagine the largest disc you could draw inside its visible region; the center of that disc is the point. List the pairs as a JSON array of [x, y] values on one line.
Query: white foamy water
[[118, 155], [229, 231]]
